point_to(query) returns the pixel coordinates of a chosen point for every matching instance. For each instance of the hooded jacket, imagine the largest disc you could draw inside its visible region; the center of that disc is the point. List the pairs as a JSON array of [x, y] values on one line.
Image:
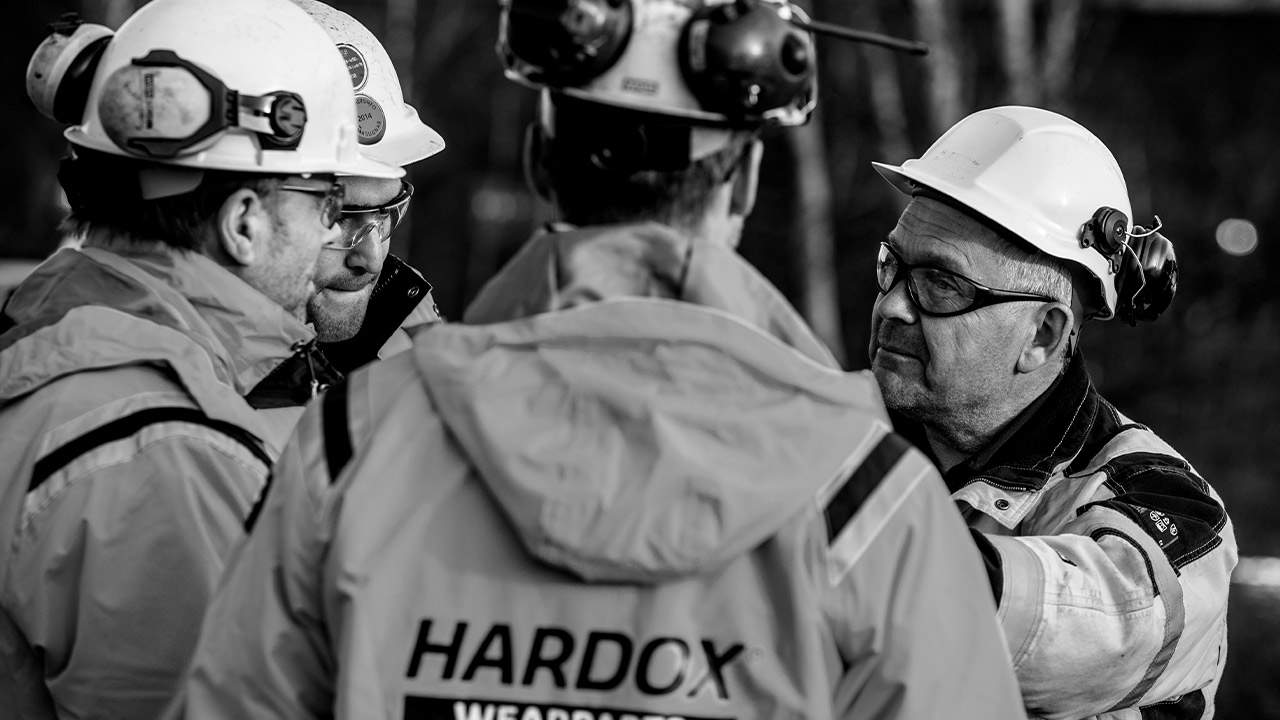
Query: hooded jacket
[[1110, 558], [130, 461], [625, 508], [509, 522]]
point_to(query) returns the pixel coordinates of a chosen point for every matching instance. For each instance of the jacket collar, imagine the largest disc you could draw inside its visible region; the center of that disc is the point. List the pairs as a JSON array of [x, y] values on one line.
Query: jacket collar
[[243, 335], [567, 266], [398, 293], [1042, 438]]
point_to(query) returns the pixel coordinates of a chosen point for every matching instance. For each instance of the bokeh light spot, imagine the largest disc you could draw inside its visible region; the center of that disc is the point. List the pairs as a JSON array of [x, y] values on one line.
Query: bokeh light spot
[[1237, 236]]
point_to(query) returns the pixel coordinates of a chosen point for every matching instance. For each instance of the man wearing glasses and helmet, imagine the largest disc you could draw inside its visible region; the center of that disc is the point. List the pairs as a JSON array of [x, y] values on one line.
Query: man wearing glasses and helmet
[[365, 295], [207, 138], [1109, 556]]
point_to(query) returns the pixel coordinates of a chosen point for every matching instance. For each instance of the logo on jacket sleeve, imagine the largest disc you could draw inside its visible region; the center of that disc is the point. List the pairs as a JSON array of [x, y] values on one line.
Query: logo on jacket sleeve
[[601, 660], [1157, 524]]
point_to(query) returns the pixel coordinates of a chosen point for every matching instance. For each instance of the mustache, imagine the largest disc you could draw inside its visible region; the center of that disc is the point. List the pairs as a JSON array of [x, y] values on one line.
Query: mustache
[[895, 336]]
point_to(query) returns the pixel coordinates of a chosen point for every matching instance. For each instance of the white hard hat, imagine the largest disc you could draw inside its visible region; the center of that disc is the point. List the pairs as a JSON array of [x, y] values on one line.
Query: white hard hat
[[717, 62], [388, 128], [1040, 176], [249, 86]]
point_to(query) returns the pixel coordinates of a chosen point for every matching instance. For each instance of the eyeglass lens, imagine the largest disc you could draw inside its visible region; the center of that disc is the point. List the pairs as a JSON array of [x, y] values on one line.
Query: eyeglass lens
[[378, 222], [932, 289]]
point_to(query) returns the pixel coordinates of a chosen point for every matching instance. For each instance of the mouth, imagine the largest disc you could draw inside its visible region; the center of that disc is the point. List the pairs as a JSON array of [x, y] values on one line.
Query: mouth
[[344, 290], [894, 349]]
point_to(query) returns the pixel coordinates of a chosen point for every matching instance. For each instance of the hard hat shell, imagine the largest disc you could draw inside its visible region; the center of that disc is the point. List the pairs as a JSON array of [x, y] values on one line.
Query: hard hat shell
[[1033, 172], [647, 76], [389, 129], [255, 47]]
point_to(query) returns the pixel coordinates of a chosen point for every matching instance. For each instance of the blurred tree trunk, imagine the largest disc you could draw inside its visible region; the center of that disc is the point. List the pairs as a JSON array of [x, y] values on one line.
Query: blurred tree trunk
[[400, 21], [814, 235], [1043, 78], [886, 91], [946, 88], [1061, 37], [114, 12], [1018, 32]]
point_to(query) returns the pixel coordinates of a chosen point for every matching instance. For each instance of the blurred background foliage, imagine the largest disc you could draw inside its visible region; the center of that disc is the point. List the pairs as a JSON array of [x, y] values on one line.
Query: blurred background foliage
[[1186, 93]]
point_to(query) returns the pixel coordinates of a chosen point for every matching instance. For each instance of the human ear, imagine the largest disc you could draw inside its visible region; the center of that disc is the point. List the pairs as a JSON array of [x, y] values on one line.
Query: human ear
[[1054, 324], [243, 224], [747, 179]]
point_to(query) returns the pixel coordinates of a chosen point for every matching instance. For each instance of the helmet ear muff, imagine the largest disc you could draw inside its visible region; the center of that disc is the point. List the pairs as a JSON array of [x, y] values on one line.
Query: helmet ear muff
[[1107, 232], [162, 106], [744, 59], [1146, 276], [567, 42], [61, 69]]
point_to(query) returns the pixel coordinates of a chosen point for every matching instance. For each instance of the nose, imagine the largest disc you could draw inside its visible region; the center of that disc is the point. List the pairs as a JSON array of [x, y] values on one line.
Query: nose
[[368, 256], [896, 304]]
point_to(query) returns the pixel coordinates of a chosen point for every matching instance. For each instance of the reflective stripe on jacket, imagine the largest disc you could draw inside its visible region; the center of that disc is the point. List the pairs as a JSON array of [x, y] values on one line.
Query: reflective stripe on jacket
[[1114, 559], [635, 507], [129, 464]]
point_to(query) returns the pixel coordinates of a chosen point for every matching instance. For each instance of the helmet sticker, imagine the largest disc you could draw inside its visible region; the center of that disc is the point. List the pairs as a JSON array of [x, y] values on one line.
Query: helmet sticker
[[355, 65], [371, 121]]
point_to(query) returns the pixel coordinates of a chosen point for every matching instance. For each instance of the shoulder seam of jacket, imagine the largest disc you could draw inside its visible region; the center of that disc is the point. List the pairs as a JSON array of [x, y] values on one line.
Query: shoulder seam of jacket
[[131, 424]]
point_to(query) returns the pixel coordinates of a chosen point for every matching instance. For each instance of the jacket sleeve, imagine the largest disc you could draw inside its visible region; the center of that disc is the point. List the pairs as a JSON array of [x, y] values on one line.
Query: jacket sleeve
[[1125, 606], [117, 557], [907, 599], [263, 650]]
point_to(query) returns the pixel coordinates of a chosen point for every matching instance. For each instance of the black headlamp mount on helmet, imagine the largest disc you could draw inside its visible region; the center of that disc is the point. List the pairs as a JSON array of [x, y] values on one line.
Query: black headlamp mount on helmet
[[1143, 262], [746, 62]]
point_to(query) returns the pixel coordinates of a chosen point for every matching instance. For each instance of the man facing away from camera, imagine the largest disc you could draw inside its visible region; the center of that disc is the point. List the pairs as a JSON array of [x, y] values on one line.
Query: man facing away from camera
[[642, 489], [131, 453], [1108, 554]]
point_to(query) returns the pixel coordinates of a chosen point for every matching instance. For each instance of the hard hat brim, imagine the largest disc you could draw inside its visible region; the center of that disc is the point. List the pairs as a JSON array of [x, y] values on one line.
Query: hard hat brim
[[272, 162]]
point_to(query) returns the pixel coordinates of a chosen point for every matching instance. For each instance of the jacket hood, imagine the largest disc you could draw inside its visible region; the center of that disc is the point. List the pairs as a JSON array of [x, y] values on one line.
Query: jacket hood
[[93, 309], [636, 440], [567, 266]]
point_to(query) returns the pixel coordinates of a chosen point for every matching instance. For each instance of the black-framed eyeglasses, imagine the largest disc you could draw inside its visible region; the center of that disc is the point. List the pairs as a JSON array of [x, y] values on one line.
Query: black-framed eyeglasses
[[377, 223], [330, 206], [938, 292]]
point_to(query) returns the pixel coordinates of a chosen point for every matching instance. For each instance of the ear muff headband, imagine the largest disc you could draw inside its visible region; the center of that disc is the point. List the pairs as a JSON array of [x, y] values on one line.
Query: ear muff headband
[[161, 106]]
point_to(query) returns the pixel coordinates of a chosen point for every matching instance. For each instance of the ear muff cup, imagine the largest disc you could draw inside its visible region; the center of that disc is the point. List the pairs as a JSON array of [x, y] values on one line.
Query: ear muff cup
[[570, 42], [743, 59], [73, 90], [60, 72]]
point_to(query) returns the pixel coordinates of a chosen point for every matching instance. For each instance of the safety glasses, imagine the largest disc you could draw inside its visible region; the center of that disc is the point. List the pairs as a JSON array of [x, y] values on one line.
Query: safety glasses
[[376, 223], [330, 206], [938, 292]]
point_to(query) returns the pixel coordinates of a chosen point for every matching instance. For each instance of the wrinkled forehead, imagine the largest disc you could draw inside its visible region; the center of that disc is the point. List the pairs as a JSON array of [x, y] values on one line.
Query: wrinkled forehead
[[368, 192], [933, 231]]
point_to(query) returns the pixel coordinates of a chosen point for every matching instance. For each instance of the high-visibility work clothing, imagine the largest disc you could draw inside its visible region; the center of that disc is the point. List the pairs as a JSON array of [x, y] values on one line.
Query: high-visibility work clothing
[[1111, 557], [130, 461], [629, 507], [569, 266]]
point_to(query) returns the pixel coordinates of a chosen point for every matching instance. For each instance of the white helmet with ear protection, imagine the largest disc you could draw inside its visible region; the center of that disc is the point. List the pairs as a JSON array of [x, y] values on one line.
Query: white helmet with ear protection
[[388, 128], [252, 86], [711, 62], [1040, 176]]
